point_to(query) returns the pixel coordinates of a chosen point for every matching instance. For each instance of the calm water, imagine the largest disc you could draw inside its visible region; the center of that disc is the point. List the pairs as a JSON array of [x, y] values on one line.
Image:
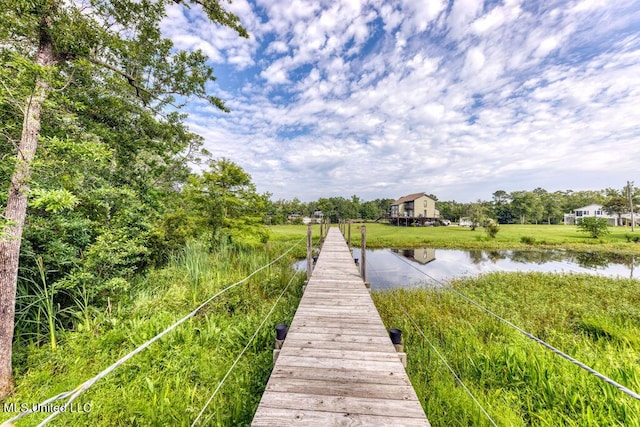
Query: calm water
[[387, 268]]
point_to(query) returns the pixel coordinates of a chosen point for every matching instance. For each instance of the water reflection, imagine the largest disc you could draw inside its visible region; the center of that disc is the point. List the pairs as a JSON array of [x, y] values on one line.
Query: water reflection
[[388, 268], [421, 255]]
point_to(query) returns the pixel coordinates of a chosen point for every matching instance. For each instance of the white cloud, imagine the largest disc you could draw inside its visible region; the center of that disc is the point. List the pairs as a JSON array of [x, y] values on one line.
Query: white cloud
[[277, 46], [474, 62], [463, 12], [497, 17], [547, 45], [381, 98], [419, 14]]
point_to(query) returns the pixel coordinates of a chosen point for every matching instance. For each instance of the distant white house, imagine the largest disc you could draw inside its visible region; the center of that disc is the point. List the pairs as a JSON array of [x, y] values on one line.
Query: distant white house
[[465, 222], [295, 216], [598, 212]]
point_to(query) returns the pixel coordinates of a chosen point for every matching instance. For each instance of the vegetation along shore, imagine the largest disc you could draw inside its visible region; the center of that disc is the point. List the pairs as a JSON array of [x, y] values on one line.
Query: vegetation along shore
[[515, 380]]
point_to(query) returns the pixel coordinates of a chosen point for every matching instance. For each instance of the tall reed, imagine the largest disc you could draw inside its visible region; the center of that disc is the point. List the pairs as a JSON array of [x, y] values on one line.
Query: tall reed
[[36, 308], [519, 382], [169, 383]]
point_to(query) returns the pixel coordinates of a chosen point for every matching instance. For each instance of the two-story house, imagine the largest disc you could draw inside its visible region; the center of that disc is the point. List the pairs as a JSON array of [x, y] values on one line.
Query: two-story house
[[417, 205], [598, 212]]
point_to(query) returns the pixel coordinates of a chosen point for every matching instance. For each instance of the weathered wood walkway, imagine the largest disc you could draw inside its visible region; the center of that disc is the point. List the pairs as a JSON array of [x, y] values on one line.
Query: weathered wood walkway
[[337, 365]]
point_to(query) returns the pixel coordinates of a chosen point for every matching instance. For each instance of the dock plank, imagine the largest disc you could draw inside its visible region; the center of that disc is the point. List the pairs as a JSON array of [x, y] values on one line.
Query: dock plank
[[337, 365], [308, 418]]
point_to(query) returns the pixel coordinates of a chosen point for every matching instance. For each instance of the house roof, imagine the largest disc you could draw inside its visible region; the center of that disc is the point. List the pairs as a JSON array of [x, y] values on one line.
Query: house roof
[[594, 207], [409, 198]]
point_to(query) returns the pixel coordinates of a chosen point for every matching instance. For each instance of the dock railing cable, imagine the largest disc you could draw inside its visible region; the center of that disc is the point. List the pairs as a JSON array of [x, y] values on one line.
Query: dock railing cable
[[444, 361], [75, 393], [441, 357], [529, 335], [233, 365]]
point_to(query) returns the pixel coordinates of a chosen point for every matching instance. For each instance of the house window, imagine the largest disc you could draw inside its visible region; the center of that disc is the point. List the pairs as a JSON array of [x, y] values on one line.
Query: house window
[[598, 213], [578, 213], [425, 203]]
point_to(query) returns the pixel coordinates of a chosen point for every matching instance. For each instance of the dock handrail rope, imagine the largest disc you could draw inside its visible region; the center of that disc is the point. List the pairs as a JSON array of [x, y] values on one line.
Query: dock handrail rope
[[556, 351], [453, 372], [244, 349], [75, 393]]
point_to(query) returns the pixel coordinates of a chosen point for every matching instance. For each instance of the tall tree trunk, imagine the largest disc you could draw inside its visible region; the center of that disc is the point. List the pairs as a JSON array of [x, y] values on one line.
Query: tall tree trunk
[[16, 211]]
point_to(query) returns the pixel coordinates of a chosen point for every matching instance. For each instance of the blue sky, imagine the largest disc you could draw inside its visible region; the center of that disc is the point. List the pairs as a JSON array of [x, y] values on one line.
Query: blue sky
[[455, 98]]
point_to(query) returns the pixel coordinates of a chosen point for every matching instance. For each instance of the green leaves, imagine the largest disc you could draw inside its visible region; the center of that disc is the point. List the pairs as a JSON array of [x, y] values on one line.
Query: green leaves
[[78, 78], [225, 200], [53, 200], [595, 226]]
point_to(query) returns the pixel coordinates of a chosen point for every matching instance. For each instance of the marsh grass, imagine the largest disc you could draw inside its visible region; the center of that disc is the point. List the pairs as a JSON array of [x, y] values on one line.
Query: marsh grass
[[169, 382], [519, 382]]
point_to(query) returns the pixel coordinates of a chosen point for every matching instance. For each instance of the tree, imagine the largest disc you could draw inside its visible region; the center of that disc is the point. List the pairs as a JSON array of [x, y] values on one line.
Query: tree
[[476, 215], [45, 42], [616, 205], [552, 207], [226, 202], [526, 204], [501, 209], [491, 228], [629, 191], [595, 226], [452, 210], [326, 206]]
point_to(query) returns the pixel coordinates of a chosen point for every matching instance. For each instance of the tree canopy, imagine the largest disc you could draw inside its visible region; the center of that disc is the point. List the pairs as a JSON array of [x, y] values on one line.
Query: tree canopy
[[96, 86]]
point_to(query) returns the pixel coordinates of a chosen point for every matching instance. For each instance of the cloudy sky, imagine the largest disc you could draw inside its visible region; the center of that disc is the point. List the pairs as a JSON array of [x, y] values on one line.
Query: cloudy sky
[[457, 98]]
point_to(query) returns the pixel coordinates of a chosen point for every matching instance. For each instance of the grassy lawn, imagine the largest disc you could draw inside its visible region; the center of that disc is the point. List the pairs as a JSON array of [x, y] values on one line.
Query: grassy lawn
[[510, 236]]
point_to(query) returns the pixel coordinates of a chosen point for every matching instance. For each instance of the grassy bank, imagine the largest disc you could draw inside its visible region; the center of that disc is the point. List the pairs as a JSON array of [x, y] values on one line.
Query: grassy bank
[[518, 381], [170, 382], [510, 236]]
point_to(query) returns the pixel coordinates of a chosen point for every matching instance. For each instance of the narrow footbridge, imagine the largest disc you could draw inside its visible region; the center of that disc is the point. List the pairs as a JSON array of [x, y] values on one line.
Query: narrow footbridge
[[337, 365]]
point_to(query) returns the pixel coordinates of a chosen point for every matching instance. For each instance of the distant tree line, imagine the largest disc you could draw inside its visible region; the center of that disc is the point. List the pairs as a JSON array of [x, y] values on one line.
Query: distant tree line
[[335, 208], [538, 206]]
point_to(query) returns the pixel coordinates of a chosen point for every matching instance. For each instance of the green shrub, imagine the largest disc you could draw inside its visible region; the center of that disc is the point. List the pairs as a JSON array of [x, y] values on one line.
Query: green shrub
[[491, 228], [597, 227], [527, 240]]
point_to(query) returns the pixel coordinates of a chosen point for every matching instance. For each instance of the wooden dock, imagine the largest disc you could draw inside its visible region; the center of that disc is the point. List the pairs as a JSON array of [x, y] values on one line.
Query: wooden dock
[[337, 365]]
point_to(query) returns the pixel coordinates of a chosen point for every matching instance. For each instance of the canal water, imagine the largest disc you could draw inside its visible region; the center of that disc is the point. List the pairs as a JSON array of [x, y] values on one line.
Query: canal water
[[390, 268]]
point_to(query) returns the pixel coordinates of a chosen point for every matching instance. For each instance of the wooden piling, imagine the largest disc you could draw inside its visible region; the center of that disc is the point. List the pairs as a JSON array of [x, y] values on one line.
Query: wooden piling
[[363, 253], [309, 248]]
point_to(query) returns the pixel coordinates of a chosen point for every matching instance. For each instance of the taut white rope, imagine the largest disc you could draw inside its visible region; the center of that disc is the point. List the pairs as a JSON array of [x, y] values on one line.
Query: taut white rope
[[84, 386]]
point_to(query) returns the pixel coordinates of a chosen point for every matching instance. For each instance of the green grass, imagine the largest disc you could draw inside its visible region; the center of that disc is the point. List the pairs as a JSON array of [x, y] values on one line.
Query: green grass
[[519, 382], [170, 382], [596, 320], [510, 236]]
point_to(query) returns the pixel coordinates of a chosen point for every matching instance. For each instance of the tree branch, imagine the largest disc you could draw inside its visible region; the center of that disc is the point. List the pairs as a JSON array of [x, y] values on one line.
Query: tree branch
[[217, 14], [12, 96], [130, 79], [67, 83]]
